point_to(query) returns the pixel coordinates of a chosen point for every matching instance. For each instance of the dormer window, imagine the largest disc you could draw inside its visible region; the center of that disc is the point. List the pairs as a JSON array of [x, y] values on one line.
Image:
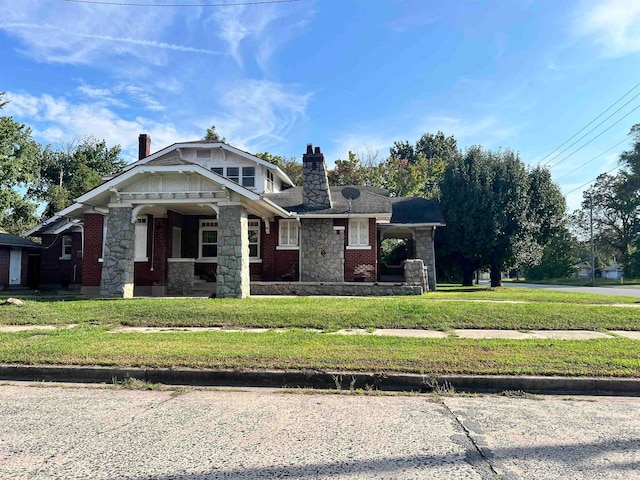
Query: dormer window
[[218, 170], [233, 174], [249, 177]]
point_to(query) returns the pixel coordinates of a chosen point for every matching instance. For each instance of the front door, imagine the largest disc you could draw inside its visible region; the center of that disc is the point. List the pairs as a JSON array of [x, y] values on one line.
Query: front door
[[15, 266]]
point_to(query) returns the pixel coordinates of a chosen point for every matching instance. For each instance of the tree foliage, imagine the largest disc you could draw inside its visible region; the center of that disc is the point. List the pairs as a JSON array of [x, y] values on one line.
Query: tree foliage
[[19, 157], [73, 169], [291, 167], [213, 136]]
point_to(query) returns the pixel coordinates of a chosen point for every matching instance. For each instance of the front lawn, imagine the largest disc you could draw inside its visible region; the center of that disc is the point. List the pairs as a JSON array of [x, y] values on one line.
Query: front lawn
[[521, 309]]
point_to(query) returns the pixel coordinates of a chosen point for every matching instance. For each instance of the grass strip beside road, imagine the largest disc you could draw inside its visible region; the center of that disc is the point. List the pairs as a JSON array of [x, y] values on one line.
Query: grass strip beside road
[[426, 312], [300, 350]]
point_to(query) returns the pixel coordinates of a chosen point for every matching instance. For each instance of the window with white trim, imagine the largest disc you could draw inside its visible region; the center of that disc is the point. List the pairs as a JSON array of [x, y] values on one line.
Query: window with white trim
[[288, 233], [269, 181], [141, 239], [358, 232], [67, 243], [233, 174], [208, 239], [249, 177], [254, 238]]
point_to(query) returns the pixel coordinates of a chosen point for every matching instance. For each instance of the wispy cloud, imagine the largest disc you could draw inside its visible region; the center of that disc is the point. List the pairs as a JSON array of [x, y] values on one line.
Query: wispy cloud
[[264, 30], [258, 114], [612, 25]]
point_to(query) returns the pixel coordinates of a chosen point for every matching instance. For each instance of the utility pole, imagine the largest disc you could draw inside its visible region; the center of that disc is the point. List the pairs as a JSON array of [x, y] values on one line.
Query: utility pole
[[593, 261]]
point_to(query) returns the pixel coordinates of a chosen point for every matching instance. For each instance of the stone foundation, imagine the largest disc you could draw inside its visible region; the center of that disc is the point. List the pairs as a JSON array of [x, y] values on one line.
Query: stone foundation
[[180, 276], [331, 288]]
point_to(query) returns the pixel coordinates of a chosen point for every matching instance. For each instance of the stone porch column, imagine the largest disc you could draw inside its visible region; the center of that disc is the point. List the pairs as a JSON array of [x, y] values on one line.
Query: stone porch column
[[425, 250], [232, 272], [117, 267]]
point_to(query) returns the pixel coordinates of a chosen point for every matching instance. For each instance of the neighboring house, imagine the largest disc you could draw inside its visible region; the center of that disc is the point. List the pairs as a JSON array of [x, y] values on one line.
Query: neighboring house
[[19, 261], [201, 212], [615, 272], [582, 270]]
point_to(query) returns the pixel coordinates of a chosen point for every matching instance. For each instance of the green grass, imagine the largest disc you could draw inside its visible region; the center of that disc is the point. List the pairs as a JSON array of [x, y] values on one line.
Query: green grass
[[299, 350], [447, 309]]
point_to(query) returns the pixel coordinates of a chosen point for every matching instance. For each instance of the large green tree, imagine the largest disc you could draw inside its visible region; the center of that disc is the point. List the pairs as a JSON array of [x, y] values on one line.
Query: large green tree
[[73, 169], [19, 157], [498, 214]]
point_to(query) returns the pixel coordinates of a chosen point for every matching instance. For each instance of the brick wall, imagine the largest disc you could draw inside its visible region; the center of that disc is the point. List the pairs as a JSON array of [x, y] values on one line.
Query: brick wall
[[55, 271], [361, 263], [91, 267]]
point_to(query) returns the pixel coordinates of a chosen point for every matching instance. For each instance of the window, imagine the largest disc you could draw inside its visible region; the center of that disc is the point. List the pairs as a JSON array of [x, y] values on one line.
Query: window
[[288, 233], [359, 232], [141, 239], [218, 170], [248, 177], [269, 181], [66, 247], [233, 174], [208, 238], [254, 238]]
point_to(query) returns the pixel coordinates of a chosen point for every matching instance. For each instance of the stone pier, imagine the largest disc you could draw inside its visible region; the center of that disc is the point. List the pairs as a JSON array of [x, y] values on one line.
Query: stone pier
[[180, 275], [426, 252], [232, 273], [117, 267]]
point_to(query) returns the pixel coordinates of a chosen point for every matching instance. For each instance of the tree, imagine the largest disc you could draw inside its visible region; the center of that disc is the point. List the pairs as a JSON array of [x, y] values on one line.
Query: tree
[[498, 214], [291, 167], [560, 254], [73, 169], [348, 172], [417, 169], [213, 136], [19, 157]]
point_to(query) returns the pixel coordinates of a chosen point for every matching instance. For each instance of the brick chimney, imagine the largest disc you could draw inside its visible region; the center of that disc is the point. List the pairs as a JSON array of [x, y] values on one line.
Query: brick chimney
[[315, 184], [144, 146]]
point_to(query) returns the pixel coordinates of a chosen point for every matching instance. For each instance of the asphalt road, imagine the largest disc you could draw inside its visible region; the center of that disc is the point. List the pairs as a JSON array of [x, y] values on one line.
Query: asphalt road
[[630, 291], [90, 433]]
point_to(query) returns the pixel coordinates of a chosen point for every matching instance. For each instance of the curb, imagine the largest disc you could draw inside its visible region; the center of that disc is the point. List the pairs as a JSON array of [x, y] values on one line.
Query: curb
[[329, 380]]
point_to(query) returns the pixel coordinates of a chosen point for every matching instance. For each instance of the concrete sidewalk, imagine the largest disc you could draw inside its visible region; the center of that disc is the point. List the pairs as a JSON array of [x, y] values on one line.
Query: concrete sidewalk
[[385, 332]]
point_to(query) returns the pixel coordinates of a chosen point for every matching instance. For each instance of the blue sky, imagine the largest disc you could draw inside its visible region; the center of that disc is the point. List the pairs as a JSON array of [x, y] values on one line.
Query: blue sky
[[341, 74]]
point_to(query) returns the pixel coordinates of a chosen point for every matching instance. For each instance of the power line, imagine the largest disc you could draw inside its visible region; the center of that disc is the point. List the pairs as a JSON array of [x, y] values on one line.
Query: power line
[[601, 133], [560, 153], [579, 131], [626, 139], [592, 180], [133, 4]]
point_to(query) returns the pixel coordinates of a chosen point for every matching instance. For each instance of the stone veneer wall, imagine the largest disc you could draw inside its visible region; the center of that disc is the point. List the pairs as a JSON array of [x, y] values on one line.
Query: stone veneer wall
[[331, 288], [118, 266], [426, 252], [180, 276], [232, 272], [415, 273], [321, 251]]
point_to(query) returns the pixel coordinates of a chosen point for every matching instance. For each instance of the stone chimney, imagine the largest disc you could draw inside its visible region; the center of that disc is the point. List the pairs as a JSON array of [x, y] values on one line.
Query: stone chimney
[[315, 184], [144, 146]]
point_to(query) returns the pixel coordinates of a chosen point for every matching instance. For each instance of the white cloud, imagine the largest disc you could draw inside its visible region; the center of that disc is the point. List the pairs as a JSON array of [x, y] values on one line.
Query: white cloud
[[613, 25], [53, 119], [257, 114]]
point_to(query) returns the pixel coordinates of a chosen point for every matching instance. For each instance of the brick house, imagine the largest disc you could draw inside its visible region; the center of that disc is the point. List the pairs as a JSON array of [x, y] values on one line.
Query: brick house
[[19, 261], [205, 217]]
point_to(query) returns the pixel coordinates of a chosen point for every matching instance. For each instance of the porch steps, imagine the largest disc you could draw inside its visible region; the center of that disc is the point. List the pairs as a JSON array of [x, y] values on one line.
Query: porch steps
[[203, 288]]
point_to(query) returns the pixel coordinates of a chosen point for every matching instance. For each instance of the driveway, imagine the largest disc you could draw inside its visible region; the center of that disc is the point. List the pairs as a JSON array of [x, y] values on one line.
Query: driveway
[[101, 433]]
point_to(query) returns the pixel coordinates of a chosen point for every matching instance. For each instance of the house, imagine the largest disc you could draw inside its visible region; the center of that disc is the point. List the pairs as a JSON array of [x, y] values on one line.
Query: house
[[615, 271], [205, 215], [19, 261], [582, 270]]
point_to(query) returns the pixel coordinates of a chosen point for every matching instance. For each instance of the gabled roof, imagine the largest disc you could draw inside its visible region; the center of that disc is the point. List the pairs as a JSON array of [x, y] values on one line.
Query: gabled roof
[[8, 240], [203, 144]]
